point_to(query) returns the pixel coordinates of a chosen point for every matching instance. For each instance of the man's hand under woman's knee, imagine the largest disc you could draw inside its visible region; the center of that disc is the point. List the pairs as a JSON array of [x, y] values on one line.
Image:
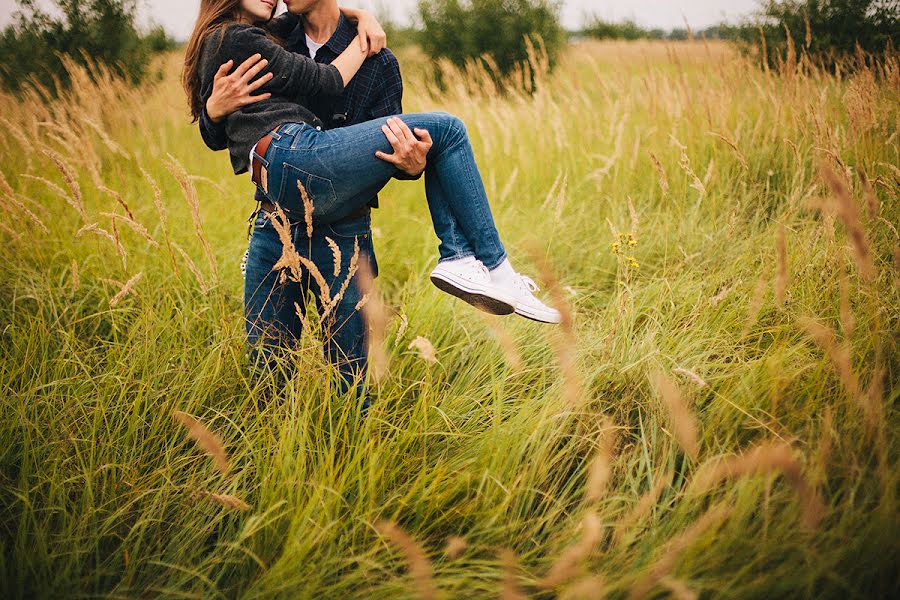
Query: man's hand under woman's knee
[[410, 150], [234, 90]]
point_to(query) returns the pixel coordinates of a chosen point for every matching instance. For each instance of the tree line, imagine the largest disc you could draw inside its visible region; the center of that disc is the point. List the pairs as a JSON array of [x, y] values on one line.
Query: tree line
[[498, 33]]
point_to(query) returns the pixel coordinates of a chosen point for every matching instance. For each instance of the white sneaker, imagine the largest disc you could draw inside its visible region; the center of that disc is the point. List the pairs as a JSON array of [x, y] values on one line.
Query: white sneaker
[[527, 305], [469, 280]]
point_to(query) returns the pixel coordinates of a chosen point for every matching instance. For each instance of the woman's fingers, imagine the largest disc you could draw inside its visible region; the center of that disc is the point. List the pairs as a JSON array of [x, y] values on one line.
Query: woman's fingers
[[363, 38], [255, 99], [245, 66], [223, 70], [254, 71], [259, 82]]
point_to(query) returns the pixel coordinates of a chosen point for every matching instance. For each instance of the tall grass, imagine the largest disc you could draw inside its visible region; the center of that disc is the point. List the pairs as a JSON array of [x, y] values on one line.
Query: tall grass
[[717, 417]]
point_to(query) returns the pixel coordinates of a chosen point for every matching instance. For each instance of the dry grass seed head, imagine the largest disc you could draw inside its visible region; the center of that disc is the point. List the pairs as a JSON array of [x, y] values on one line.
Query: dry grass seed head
[[872, 205], [511, 588], [335, 254], [425, 349], [599, 472], [227, 500], [456, 545], [416, 560], [567, 565], [683, 422], [118, 198], [764, 458], [7, 189], [504, 339], [691, 375], [126, 288], [205, 439], [642, 508], [781, 279], [28, 213], [352, 270], [849, 215], [678, 589], [663, 178], [76, 281], [838, 353], [756, 303], [289, 259], [50, 185], [74, 197], [376, 319], [190, 195], [663, 566], [133, 225], [307, 209], [193, 268], [592, 587]]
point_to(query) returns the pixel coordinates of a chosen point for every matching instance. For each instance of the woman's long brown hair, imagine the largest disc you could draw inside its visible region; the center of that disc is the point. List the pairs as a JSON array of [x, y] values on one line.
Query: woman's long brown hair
[[214, 15]]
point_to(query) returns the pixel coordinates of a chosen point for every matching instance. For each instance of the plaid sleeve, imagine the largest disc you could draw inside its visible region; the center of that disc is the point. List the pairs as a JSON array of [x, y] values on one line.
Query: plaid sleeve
[[387, 97]]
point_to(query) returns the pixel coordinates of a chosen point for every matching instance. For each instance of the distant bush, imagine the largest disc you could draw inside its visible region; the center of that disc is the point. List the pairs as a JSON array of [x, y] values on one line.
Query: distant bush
[[826, 30], [631, 30], [624, 30], [463, 30], [102, 30]]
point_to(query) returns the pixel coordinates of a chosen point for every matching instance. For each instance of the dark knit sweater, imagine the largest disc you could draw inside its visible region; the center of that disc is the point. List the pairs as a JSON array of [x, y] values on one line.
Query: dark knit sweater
[[297, 77]]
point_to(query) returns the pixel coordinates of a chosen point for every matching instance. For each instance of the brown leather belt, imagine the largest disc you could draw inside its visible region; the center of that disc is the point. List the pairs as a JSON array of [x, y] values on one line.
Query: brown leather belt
[[256, 166]]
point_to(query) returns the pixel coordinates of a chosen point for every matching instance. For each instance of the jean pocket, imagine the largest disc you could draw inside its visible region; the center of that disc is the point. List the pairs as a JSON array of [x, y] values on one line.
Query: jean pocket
[[319, 189]]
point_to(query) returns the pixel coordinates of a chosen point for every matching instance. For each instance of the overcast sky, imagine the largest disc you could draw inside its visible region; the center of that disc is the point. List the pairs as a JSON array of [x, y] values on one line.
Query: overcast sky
[[177, 16]]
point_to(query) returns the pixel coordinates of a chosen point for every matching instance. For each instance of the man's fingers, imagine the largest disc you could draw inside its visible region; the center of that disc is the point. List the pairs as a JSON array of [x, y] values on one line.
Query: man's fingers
[[425, 136], [244, 66], [223, 70], [392, 138], [391, 158], [254, 70], [260, 81], [396, 129], [404, 129]]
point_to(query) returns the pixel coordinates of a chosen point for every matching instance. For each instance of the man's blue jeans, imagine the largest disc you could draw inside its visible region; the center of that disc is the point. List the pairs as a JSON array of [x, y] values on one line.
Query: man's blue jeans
[[339, 170], [271, 303]]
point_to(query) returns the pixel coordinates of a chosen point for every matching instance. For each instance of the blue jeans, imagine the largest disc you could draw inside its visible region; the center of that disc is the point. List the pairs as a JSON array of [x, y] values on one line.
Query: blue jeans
[[340, 172], [271, 304]]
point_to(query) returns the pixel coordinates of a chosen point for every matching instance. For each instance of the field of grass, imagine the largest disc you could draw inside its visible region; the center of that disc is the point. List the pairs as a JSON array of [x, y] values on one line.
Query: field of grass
[[719, 419]]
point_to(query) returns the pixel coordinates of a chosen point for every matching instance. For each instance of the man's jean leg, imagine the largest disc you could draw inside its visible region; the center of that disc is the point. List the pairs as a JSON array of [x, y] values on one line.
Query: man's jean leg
[[270, 304], [339, 170]]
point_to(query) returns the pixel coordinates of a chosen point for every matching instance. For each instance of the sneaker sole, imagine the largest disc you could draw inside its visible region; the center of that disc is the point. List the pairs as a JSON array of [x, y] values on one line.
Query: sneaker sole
[[534, 318], [480, 301]]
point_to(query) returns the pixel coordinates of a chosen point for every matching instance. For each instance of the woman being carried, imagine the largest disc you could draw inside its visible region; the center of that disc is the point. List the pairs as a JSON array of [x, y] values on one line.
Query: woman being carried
[[283, 144]]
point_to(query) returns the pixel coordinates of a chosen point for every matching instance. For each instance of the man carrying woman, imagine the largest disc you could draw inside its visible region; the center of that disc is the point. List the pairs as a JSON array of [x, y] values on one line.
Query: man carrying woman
[[288, 146]]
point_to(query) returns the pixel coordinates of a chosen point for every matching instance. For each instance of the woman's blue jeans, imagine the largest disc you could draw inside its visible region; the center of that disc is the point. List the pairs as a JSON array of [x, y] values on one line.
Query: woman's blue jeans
[[340, 172]]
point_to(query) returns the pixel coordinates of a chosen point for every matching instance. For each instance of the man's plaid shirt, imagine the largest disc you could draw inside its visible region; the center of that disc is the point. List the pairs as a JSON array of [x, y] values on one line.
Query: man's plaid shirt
[[375, 91]]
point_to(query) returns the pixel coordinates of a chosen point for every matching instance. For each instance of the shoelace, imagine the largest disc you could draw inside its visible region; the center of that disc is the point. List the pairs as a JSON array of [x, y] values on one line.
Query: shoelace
[[479, 268], [530, 285]]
